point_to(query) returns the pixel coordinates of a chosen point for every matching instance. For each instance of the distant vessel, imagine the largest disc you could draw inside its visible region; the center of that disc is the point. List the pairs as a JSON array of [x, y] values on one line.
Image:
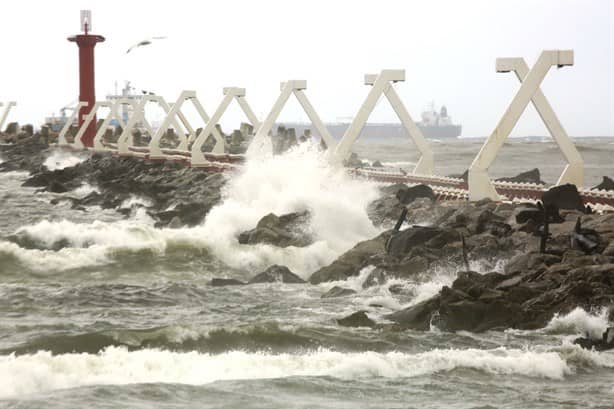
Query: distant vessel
[[438, 125], [434, 125]]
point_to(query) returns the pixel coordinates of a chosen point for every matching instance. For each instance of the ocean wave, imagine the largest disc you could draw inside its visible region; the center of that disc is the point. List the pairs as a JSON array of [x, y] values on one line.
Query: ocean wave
[[43, 371], [579, 321], [262, 337], [300, 180]]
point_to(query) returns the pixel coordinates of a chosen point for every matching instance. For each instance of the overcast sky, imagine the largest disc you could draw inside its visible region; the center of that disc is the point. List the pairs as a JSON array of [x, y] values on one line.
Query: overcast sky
[[448, 49]]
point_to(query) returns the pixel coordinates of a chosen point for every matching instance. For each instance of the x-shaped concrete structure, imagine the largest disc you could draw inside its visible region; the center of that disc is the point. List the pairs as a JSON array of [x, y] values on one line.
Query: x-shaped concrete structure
[[480, 185], [382, 83]]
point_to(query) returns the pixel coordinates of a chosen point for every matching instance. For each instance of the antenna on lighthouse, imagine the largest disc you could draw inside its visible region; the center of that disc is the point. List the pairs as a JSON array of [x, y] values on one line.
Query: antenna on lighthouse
[[86, 21]]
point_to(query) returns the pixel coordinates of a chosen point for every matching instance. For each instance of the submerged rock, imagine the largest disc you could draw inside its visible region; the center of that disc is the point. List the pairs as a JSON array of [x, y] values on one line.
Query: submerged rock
[[357, 319], [222, 282], [277, 274], [337, 291]]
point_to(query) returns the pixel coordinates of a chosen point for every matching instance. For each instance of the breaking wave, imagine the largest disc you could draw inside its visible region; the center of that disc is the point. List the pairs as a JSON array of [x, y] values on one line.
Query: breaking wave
[[579, 321], [44, 371], [300, 180]]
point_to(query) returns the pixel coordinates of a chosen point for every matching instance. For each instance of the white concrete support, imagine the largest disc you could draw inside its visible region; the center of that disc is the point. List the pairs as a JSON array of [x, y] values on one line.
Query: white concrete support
[[78, 144], [480, 185], [5, 113], [114, 113], [155, 152], [69, 121], [198, 159], [383, 84], [288, 88]]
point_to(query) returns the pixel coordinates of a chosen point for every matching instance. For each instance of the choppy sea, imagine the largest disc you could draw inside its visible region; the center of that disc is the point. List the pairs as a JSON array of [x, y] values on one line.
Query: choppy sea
[[102, 311]]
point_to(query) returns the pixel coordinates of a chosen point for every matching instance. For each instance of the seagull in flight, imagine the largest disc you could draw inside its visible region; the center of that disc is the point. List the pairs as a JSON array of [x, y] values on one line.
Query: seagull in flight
[[145, 42]]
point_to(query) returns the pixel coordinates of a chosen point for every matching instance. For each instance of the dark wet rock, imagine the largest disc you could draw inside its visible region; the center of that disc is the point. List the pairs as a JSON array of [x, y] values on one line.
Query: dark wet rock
[[282, 231], [358, 319], [277, 274], [531, 176], [337, 291], [528, 299], [353, 161], [189, 193], [606, 184], [222, 282], [352, 261], [56, 187], [377, 164], [418, 316], [408, 195], [406, 269], [563, 197], [402, 242], [395, 198]]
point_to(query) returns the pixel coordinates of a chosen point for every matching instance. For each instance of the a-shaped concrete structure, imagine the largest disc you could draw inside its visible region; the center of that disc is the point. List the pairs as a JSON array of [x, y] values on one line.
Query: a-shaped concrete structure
[[5, 112], [288, 88], [383, 84], [238, 94], [155, 151], [480, 185]]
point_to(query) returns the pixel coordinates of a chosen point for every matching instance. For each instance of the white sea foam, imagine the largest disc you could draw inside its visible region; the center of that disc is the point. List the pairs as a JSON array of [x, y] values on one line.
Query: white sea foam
[[83, 190], [579, 321], [298, 180], [42, 371], [60, 159]]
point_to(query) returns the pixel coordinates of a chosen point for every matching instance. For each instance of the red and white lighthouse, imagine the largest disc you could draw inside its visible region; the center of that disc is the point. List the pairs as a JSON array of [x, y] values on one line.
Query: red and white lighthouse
[[87, 93]]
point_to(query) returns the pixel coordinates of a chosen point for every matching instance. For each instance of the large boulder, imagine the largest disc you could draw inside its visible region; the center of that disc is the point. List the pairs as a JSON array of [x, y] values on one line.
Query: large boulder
[[352, 261], [282, 231], [531, 176], [606, 184], [563, 197], [277, 274]]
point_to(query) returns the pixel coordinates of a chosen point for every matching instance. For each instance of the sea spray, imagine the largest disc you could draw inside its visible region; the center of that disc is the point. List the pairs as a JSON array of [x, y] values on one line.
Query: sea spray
[[299, 180], [60, 159]]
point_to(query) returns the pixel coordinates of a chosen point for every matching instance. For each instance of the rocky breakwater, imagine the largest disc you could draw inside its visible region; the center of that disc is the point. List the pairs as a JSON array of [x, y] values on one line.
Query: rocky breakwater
[[575, 270], [176, 195]]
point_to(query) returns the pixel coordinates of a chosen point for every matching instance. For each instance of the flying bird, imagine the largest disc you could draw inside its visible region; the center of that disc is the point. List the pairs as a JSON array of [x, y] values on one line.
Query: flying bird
[[145, 42]]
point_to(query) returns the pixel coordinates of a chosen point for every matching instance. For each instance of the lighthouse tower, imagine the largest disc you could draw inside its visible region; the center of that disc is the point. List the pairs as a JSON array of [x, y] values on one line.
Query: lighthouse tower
[[86, 43]]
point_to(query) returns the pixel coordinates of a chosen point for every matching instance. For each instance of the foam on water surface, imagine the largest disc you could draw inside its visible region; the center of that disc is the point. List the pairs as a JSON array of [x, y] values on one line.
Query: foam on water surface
[[43, 371]]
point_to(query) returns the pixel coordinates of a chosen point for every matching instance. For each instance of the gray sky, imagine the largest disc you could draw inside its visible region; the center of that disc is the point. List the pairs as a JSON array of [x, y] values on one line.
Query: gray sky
[[448, 49]]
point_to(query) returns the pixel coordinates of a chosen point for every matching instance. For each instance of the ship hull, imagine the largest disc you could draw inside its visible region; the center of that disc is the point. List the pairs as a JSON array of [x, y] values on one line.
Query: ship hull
[[371, 131], [441, 132]]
